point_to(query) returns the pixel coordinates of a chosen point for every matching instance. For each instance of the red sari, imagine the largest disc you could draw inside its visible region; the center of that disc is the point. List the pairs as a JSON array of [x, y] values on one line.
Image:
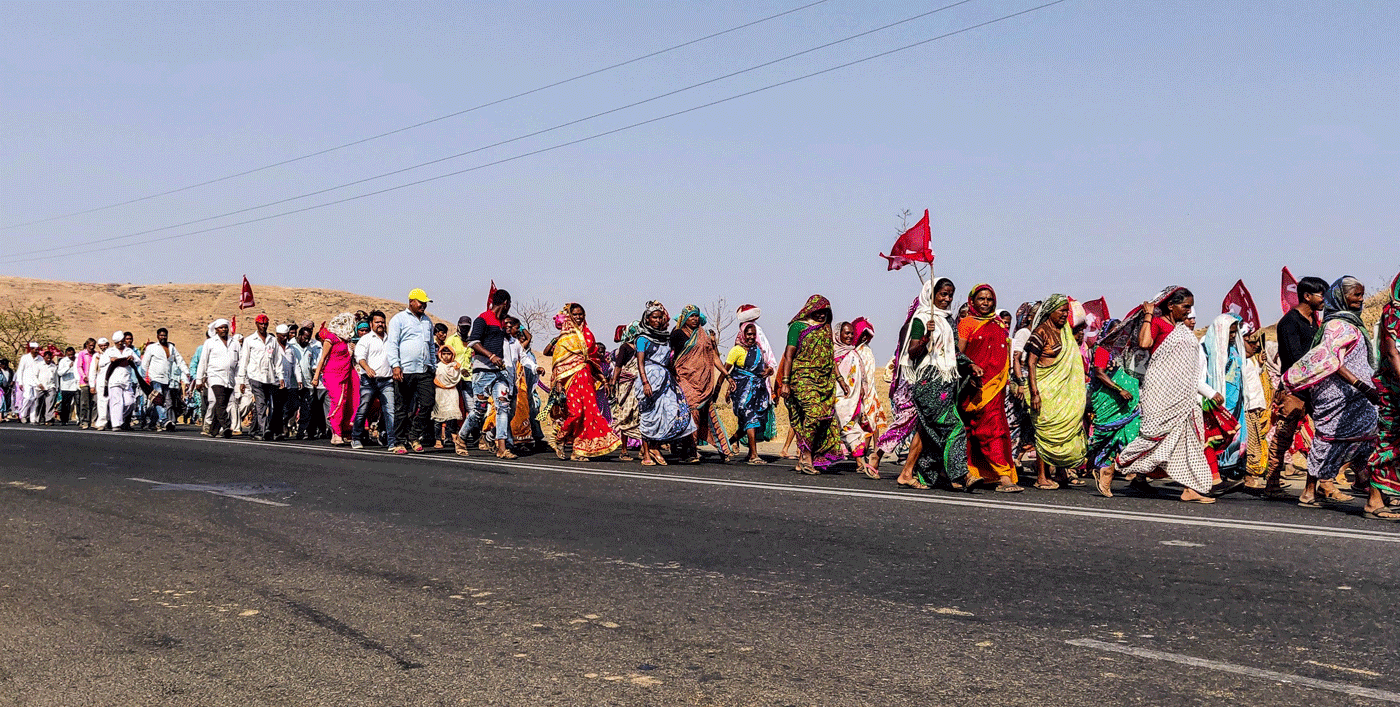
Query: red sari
[[576, 370], [983, 403]]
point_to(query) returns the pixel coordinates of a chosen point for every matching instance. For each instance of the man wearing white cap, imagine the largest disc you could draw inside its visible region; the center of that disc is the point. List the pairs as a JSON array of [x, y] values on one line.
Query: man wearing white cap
[[120, 380], [218, 370], [286, 399], [97, 374], [260, 369], [24, 381]]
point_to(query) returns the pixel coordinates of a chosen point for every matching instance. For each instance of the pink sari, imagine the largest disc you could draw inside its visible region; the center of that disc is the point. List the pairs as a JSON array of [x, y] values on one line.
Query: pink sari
[[342, 384]]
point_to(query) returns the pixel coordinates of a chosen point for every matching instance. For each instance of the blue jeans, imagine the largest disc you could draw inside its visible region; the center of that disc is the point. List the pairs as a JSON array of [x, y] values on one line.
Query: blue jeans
[[160, 413], [488, 386], [384, 389]]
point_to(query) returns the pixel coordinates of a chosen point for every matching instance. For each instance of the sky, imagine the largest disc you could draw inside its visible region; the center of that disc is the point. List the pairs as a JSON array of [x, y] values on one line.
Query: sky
[[1092, 148]]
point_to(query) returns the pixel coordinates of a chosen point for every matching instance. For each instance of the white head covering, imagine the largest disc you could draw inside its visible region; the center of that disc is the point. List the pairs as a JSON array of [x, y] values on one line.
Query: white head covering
[[118, 335], [1217, 343], [281, 329], [942, 343], [748, 313], [102, 340]]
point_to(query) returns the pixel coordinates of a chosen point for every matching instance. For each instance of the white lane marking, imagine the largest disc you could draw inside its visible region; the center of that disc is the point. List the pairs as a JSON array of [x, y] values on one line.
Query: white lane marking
[[1027, 507], [1345, 669], [214, 492], [1180, 543], [1287, 678]]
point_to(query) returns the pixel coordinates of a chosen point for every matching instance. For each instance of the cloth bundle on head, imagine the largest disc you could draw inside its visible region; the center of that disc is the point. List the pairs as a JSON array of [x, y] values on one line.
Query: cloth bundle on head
[[1025, 314], [1077, 315], [747, 313], [686, 313], [861, 327], [1121, 338], [342, 325], [559, 320], [628, 334]]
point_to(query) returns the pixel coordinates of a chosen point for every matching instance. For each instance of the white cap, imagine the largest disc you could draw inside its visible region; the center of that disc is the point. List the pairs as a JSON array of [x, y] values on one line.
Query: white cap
[[102, 340], [281, 329], [117, 335]]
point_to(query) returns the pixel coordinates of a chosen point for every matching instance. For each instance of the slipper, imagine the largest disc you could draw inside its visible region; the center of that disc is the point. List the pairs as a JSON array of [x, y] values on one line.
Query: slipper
[[1009, 488], [1310, 504], [506, 455], [871, 473], [648, 462], [756, 462], [1047, 486], [1204, 500], [915, 484], [1381, 514]]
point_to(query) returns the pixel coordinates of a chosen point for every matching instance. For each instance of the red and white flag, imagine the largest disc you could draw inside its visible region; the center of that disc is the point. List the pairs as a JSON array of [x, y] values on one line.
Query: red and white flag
[[912, 246], [1240, 303], [1095, 314], [1288, 291], [490, 294], [245, 300]]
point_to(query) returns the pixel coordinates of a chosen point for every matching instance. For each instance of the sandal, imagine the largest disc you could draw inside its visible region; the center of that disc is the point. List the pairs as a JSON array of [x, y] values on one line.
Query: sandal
[[1381, 514], [506, 454], [648, 462], [756, 462], [578, 458], [1008, 488], [915, 484], [1047, 486], [1310, 503], [1104, 483], [871, 473], [1334, 495]]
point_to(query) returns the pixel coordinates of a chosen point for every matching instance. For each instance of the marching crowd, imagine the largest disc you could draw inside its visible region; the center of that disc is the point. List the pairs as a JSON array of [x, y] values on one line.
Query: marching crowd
[[976, 393]]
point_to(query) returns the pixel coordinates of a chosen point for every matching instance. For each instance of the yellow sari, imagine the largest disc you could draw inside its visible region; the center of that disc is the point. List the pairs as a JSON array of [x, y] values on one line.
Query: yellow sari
[[1059, 426]]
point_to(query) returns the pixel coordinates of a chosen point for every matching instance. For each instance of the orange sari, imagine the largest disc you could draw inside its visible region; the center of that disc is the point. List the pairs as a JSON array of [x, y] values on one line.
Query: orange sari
[[983, 403]]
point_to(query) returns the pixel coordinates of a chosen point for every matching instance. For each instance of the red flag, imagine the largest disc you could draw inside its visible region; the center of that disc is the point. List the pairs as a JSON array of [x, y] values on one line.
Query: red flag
[[1288, 291], [912, 246], [1240, 303], [491, 294], [233, 327], [1095, 314], [245, 300]]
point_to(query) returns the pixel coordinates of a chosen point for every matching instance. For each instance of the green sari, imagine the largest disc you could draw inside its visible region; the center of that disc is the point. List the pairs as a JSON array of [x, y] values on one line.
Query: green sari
[[811, 399]]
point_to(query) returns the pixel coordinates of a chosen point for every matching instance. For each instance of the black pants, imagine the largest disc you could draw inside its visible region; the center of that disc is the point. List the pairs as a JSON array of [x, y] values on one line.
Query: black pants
[[65, 405], [413, 407], [285, 404], [262, 408], [311, 423], [221, 421]]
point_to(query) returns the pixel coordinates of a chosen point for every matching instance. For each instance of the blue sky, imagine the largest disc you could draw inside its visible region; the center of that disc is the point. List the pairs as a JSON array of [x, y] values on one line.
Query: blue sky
[[1094, 148]]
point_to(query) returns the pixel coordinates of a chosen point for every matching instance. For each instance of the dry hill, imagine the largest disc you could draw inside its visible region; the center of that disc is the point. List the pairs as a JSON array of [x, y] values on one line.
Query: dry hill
[[98, 309]]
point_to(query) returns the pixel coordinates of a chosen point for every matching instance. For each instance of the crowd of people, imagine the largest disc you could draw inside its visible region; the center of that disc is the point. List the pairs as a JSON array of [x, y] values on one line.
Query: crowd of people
[[976, 394]]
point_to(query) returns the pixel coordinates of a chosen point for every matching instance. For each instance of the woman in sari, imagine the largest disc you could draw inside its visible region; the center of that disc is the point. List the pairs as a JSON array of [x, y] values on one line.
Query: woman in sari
[[665, 416], [1170, 436], [748, 391], [1058, 394], [929, 359], [876, 413], [336, 370], [983, 339], [577, 373], [1337, 372], [854, 413], [700, 372], [807, 379], [626, 419], [1224, 360], [1385, 467], [904, 417], [1113, 396]]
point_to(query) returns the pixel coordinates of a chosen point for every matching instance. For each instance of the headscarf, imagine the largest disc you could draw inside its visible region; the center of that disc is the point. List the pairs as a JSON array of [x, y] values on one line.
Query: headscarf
[[659, 334], [688, 310], [1050, 304], [972, 305], [1025, 314], [815, 303], [1217, 345], [862, 327], [942, 347], [1334, 306], [629, 334], [342, 325], [747, 313], [843, 350]]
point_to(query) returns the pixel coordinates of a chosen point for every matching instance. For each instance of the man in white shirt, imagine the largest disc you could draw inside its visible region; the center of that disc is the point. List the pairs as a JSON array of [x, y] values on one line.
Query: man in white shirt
[[218, 369], [376, 380], [260, 369], [24, 381], [120, 381], [163, 364], [286, 398], [311, 417], [67, 384], [44, 374]]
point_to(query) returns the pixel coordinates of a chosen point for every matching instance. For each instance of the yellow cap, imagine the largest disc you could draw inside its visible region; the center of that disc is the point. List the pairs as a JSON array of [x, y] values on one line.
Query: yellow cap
[[419, 295]]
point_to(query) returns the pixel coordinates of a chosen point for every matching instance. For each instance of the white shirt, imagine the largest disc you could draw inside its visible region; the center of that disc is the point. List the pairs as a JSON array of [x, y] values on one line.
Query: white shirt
[[291, 365], [1202, 387], [515, 353], [24, 370], [97, 367], [371, 349], [67, 375], [45, 375], [1018, 342], [261, 360], [218, 362], [1253, 387], [160, 365], [121, 375]]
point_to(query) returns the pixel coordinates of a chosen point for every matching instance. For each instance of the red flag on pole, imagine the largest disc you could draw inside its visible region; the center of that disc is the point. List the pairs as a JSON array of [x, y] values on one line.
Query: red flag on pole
[[245, 300], [233, 327], [490, 294], [1095, 314], [912, 246], [1288, 291], [1240, 303]]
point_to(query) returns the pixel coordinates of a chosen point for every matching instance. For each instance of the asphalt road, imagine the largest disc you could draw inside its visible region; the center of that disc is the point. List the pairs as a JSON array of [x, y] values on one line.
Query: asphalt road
[[171, 569]]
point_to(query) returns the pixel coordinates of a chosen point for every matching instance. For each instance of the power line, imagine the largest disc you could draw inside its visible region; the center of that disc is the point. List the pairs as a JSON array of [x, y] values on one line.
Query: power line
[[318, 192], [559, 145], [507, 141], [429, 121]]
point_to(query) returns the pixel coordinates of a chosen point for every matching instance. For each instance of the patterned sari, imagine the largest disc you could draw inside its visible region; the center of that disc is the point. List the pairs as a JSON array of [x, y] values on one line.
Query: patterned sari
[[1060, 439], [627, 419], [1116, 421], [575, 371], [1225, 375], [1346, 422], [811, 399], [664, 414], [905, 418], [1385, 467], [748, 392], [699, 380], [934, 391], [983, 404], [1172, 431]]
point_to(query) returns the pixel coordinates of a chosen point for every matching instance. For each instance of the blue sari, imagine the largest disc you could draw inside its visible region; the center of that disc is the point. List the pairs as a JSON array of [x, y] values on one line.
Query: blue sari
[[665, 416], [1225, 375], [753, 407]]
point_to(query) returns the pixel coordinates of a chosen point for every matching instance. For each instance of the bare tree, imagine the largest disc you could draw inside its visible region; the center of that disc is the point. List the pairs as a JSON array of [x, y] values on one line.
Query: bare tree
[[19, 325], [536, 316], [720, 316]]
